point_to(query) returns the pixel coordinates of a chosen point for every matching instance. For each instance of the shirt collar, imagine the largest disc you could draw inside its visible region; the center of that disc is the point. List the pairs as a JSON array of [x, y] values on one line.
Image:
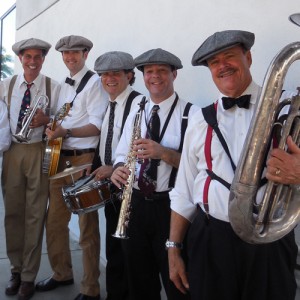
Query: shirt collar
[[253, 89], [79, 75], [37, 81], [120, 100], [165, 105]]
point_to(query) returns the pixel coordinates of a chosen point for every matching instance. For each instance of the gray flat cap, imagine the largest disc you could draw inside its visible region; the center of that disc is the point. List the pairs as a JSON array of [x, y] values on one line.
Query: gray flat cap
[[73, 42], [221, 41], [295, 18], [157, 57], [31, 44], [114, 61]]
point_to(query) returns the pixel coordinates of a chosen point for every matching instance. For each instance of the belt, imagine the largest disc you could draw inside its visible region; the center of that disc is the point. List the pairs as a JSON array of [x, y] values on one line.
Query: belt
[[154, 196], [76, 152]]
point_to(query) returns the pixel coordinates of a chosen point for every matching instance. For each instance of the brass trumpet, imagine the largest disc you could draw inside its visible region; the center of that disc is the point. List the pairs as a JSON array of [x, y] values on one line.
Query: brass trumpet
[[24, 135]]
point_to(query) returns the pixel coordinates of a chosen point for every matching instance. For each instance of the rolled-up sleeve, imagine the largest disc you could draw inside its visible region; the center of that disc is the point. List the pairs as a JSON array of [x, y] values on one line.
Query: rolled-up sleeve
[[185, 195]]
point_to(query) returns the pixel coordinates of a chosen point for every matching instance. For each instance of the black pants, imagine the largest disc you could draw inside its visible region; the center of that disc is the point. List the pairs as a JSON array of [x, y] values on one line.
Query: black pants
[[116, 279], [222, 266], [145, 254]]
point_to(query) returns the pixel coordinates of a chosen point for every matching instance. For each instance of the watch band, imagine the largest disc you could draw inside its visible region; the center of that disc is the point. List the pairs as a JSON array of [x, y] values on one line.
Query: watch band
[[68, 134], [170, 244]]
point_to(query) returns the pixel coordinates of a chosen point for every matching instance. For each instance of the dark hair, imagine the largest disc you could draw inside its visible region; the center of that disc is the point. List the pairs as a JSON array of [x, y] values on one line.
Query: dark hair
[[44, 52], [171, 66], [132, 80]]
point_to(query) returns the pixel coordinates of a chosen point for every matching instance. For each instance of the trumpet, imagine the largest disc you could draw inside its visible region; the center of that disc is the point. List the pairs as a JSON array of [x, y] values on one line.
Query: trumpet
[[24, 135]]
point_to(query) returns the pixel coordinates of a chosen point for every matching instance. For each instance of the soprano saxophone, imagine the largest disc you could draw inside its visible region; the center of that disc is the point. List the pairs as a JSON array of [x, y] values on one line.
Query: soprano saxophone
[[130, 163]]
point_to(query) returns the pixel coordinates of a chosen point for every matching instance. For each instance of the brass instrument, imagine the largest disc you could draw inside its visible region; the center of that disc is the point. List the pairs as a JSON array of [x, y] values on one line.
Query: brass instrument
[[279, 210], [24, 135], [130, 163]]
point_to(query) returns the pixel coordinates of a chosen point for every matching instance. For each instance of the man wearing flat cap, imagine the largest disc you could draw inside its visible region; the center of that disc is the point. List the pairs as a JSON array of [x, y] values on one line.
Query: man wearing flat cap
[[116, 69], [162, 131], [221, 264], [80, 131], [25, 187]]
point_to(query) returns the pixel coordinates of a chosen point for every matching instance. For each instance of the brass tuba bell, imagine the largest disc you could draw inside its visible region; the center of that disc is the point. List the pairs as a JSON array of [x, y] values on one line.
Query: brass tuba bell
[[279, 210]]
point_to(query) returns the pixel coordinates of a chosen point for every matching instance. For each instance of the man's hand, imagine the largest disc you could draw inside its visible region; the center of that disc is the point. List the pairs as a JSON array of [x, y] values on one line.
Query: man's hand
[[177, 270], [119, 176], [58, 132], [284, 167], [146, 148], [39, 119], [103, 172]]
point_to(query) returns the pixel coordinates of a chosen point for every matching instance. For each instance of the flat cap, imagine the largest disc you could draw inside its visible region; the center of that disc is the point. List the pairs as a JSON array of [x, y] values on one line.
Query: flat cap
[[295, 18], [31, 43], [157, 57], [73, 42], [221, 41], [114, 61]]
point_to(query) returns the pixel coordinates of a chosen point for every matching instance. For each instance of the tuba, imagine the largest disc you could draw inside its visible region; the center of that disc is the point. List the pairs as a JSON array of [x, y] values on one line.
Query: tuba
[[24, 135], [130, 163], [279, 210]]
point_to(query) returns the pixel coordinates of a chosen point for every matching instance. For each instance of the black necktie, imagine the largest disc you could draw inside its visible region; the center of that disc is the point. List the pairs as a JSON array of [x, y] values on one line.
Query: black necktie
[[24, 105], [110, 132], [243, 102], [148, 172], [70, 81]]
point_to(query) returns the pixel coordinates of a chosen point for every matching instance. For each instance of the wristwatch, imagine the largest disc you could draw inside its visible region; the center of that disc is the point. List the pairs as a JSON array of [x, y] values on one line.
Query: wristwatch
[[170, 244], [68, 134]]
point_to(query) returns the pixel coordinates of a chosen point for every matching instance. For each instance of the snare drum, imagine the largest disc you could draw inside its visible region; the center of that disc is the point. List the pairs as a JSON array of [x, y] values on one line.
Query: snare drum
[[87, 195]]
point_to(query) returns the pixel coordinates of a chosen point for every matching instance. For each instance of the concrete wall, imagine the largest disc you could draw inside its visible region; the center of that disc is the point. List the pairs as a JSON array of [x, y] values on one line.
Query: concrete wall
[[175, 25]]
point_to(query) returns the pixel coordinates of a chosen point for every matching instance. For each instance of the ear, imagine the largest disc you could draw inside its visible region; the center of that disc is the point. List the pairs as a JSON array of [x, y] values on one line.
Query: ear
[[20, 57], [129, 75], [249, 58], [174, 74], [85, 54]]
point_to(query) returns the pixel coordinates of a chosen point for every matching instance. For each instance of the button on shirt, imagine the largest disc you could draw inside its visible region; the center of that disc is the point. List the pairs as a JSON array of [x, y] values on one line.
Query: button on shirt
[[38, 88], [88, 107], [171, 138], [119, 112], [188, 191], [5, 136]]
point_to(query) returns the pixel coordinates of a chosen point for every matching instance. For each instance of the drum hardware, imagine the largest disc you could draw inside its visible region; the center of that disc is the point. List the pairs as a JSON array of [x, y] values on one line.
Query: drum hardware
[[70, 170]]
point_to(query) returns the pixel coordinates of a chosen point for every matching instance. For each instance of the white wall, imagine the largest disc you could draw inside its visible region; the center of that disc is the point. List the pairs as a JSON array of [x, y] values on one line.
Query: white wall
[[178, 26]]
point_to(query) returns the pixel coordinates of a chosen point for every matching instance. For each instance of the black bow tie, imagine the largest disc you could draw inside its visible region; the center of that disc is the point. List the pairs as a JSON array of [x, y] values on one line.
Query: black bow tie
[[242, 101], [70, 81]]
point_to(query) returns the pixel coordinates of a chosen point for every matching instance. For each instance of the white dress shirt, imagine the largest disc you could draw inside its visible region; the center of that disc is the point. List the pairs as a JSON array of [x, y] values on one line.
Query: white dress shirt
[[171, 138], [188, 191], [118, 119], [89, 107], [5, 135], [37, 89]]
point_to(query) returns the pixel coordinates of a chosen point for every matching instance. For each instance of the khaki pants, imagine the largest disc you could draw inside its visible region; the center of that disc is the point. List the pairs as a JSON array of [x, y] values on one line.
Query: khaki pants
[[57, 233], [25, 191]]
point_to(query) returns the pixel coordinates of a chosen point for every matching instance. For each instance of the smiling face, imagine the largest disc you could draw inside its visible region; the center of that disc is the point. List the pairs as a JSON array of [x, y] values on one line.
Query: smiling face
[[32, 61], [115, 82], [74, 60], [159, 81], [230, 70]]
